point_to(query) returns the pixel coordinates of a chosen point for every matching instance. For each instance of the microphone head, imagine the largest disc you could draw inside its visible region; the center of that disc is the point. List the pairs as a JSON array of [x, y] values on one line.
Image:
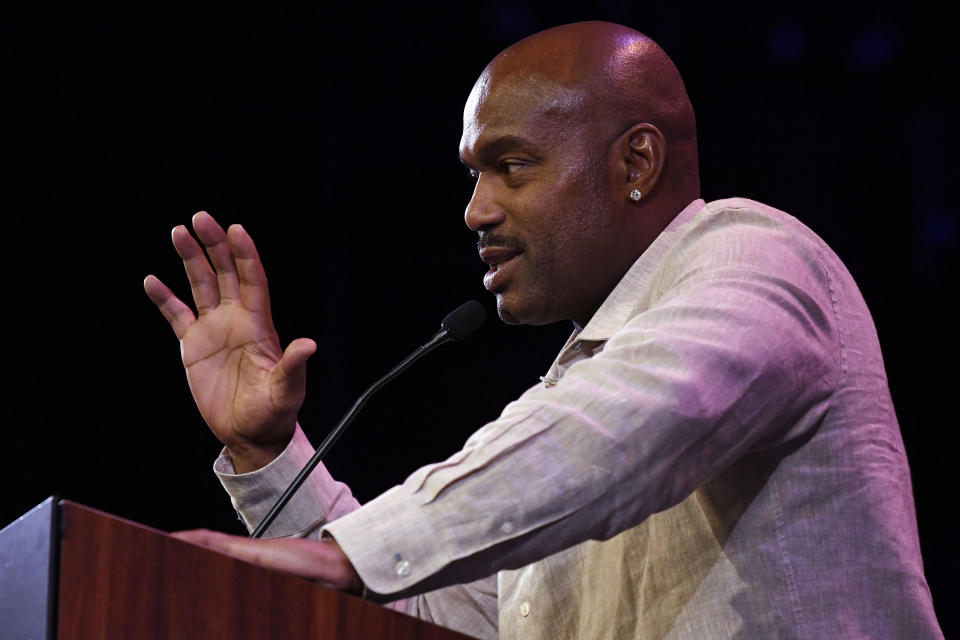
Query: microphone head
[[464, 320]]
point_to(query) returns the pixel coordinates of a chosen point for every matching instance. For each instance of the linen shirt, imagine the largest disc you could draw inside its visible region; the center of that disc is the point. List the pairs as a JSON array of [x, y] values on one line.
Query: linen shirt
[[714, 455]]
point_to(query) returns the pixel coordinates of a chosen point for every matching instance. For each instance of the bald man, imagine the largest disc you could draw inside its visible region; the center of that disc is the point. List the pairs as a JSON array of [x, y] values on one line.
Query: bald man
[[713, 453]]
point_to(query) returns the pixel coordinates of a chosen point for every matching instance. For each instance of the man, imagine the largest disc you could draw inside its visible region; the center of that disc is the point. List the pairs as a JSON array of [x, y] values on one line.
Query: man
[[714, 452]]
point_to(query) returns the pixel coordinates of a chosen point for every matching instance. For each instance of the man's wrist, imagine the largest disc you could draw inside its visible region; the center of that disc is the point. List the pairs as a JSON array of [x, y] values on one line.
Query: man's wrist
[[352, 583], [247, 458]]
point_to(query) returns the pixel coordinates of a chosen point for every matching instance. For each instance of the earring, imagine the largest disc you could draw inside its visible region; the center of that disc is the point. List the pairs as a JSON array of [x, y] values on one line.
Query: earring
[[635, 195]]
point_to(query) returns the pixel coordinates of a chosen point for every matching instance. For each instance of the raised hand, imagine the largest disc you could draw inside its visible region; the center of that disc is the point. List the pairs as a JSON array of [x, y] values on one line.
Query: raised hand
[[247, 388]]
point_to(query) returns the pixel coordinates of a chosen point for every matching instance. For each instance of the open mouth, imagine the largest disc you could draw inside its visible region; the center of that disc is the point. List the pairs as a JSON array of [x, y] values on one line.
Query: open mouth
[[495, 266], [499, 259], [497, 256]]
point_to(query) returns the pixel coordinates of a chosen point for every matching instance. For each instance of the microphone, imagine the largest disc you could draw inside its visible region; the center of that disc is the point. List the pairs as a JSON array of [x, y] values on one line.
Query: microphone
[[463, 321], [457, 325]]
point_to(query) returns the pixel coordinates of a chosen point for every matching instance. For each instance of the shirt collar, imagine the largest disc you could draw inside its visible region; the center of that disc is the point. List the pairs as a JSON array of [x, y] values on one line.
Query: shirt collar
[[619, 305]]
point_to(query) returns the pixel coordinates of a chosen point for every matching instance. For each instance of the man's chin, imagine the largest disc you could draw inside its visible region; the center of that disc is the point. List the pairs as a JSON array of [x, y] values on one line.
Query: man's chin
[[512, 311], [505, 313]]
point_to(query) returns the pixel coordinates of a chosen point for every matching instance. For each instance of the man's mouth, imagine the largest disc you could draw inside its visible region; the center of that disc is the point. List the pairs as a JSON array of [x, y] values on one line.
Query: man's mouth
[[499, 252], [496, 256], [500, 260]]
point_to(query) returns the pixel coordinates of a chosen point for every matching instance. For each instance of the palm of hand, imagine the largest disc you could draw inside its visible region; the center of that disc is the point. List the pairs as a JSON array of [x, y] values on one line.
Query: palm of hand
[[229, 355], [247, 388]]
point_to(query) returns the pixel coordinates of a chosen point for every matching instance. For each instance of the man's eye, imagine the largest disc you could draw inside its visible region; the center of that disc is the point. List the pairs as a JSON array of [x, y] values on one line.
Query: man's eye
[[509, 166]]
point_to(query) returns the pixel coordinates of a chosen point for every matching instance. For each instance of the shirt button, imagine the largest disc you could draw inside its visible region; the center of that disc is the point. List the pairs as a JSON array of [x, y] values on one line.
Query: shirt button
[[506, 527], [402, 568], [577, 345], [525, 609]]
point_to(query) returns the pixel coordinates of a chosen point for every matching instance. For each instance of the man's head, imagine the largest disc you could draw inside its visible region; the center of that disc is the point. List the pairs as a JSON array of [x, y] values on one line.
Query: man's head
[[559, 129]]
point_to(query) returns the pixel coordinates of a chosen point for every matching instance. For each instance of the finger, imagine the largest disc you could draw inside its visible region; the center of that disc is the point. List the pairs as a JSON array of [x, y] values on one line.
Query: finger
[[176, 312], [203, 281], [253, 279], [290, 374], [214, 240], [311, 559], [202, 537], [213, 540]]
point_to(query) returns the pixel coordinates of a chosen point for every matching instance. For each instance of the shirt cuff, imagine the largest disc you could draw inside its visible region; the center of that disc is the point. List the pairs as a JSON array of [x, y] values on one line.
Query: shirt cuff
[[387, 551], [252, 494]]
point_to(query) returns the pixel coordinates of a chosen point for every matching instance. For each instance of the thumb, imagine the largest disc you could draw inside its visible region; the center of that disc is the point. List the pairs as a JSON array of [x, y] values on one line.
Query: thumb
[[290, 374]]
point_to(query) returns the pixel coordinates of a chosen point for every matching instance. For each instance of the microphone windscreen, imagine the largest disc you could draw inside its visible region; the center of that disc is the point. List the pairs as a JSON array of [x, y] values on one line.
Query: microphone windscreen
[[464, 320]]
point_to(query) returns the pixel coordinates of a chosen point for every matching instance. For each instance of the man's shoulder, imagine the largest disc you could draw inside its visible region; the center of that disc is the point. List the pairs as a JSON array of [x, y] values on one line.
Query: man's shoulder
[[745, 207], [749, 220], [739, 233]]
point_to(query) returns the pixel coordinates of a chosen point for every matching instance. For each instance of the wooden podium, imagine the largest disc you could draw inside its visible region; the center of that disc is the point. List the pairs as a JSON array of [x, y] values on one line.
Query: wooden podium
[[71, 572]]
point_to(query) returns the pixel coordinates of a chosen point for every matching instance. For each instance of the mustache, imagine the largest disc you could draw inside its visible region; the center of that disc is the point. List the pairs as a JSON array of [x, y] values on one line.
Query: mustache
[[496, 240]]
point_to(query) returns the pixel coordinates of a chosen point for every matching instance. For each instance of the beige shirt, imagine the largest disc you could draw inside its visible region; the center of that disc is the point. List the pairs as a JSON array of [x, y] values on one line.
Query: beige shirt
[[715, 455]]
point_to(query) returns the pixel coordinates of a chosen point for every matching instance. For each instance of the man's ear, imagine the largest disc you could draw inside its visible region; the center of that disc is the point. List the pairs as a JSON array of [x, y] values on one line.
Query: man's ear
[[643, 153]]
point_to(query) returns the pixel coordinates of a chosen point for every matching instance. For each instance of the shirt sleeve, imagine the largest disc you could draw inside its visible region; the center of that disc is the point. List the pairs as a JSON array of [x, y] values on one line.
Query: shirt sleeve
[[470, 608], [734, 351], [320, 499]]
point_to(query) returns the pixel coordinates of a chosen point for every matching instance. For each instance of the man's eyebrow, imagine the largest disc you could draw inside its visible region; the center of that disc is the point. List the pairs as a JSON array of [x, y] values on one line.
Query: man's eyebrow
[[487, 152]]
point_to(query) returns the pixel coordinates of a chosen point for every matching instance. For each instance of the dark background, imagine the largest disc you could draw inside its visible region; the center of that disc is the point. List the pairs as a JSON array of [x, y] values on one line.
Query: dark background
[[331, 134]]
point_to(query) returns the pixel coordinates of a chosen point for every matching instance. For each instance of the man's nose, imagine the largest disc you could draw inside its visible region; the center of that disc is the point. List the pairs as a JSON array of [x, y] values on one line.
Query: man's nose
[[482, 211]]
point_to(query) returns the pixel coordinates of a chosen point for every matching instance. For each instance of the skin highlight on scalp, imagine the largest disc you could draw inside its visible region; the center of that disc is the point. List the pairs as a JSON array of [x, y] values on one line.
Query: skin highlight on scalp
[[637, 82]]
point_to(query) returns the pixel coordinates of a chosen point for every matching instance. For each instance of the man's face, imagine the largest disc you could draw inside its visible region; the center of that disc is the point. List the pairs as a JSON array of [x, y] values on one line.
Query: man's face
[[540, 205]]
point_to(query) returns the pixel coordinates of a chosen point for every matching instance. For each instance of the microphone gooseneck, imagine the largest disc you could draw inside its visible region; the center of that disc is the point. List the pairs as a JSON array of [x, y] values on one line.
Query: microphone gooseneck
[[459, 324]]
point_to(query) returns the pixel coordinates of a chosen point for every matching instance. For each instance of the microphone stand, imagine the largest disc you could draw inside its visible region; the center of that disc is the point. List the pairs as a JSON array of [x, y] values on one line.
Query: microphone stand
[[440, 338]]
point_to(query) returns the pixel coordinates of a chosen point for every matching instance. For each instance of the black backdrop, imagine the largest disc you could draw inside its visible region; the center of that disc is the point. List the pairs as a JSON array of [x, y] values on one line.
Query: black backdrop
[[331, 135]]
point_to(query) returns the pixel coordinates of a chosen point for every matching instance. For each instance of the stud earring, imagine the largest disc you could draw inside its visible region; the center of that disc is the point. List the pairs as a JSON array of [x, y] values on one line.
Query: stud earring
[[635, 195]]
